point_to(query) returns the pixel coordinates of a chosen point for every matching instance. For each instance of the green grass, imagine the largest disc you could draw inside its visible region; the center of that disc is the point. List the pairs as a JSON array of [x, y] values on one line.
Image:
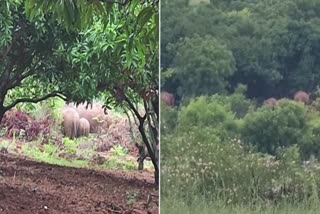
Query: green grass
[[70, 145], [6, 145], [172, 205], [115, 162], [81, 147], [119, 151], [48, 157], [148, 164]]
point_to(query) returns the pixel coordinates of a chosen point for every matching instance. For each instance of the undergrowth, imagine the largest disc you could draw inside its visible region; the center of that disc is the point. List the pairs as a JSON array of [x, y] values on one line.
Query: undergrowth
[[47, 157]]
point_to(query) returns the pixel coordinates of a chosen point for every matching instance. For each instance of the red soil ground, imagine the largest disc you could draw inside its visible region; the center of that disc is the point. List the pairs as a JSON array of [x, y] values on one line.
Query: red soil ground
[[27, 186]]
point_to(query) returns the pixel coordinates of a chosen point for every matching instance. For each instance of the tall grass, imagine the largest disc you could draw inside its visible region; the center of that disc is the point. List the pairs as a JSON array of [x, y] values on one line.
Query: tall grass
[[215, 177], [176, 205]]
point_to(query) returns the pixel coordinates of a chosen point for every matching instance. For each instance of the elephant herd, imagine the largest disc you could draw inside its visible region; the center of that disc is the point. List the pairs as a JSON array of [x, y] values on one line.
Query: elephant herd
[[79, 121], [299, 96]]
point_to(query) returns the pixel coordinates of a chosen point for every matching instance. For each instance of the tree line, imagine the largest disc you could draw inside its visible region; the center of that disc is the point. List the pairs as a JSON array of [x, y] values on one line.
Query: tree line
[[272, 47]]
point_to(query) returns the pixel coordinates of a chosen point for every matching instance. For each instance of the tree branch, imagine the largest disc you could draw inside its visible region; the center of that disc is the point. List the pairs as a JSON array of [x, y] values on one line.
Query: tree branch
[[35, 100], [134, 109], [4, 53], [18, 80]]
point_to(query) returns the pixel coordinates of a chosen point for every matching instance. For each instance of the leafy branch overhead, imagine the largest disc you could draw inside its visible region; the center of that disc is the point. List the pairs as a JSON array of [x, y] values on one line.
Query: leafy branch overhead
[[75, 14], [114, 47]]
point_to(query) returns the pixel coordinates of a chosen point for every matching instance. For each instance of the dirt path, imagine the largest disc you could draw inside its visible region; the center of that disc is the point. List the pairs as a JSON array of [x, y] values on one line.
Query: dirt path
[[27, 186]]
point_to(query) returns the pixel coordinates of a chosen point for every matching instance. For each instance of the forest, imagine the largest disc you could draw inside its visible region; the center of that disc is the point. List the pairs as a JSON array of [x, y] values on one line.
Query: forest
[[240, 114], [79, 106]]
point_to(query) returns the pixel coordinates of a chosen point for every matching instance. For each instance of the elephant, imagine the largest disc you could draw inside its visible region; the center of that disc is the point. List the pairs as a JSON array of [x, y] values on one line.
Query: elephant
[[94, 115], [301, 96], [70, 122], [84, 127], [168, 98], [271, 102]]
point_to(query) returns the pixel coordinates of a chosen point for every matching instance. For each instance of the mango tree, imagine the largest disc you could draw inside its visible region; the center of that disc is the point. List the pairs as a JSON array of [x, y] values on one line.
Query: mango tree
[[118, 60], [80, 50]]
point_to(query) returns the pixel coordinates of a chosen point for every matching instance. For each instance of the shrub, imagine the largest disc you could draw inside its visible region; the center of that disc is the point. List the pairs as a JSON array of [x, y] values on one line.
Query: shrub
[[237, 103], [18, 123], [203, 113], [269, 129], [168, 119]]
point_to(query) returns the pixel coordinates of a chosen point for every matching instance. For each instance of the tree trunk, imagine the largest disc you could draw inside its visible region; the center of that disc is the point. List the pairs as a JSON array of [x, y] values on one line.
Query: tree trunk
[[142, 155], [150, 151], [152, 148], [2, 112]]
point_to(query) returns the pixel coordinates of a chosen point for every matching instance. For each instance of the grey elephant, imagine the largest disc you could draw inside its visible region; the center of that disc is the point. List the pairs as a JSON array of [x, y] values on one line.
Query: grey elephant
[[70, 122], [94, 115], [84, 127]]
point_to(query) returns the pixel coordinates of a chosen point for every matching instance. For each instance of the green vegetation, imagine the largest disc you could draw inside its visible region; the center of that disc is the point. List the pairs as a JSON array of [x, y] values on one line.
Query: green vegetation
[[48, 157], [70, 145], [6, 145], [80, 152], [119, 150], [131, 197], [223, 149], [115, 162], [199, 205], [262, 156], [270, 46]]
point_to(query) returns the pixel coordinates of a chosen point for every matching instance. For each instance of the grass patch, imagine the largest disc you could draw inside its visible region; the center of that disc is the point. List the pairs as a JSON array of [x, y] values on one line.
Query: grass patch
[[6, 145], [174, 205], [119, 151], [48, 156], [115, 162], [70, 145], [148, 164]]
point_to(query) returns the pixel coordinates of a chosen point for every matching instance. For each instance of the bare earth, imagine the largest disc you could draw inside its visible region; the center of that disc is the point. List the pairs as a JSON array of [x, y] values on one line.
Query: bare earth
[[27, 186]]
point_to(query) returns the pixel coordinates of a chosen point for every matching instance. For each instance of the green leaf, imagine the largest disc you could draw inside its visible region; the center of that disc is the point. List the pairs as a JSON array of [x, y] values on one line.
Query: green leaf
[[144, 16]]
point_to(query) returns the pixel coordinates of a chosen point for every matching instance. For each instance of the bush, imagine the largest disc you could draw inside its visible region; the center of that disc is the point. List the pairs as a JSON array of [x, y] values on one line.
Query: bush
[[203, 113], [269, 129], [20, 124], [237, 103], [168, 119]]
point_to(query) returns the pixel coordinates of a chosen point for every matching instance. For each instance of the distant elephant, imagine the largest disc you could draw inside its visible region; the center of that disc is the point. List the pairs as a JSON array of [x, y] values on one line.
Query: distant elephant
[[168, 98], [301, 96], [271, 102], [84, 127], [70, 122]]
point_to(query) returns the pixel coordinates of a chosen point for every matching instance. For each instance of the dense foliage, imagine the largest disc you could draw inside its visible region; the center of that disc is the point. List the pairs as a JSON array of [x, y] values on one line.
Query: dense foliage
[[270, 46], [262, 155]]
